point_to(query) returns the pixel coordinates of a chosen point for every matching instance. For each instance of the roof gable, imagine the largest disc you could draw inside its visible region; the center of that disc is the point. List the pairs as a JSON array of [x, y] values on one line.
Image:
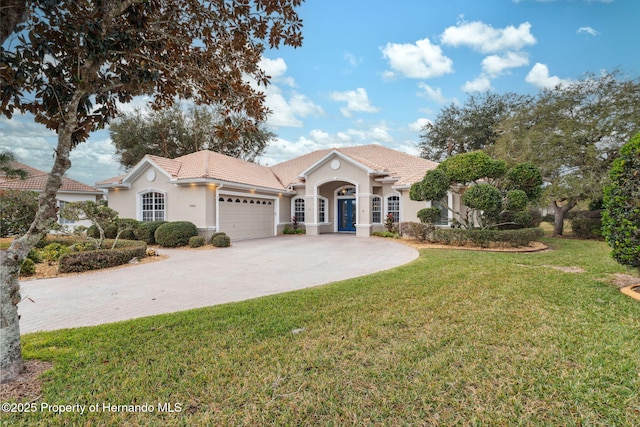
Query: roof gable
[[359, 163]]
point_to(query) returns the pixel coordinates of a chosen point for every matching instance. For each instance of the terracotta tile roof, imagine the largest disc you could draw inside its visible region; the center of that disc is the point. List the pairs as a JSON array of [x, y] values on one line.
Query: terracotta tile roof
[[36, 181], [288, 171], [406, 168], [212, 165]]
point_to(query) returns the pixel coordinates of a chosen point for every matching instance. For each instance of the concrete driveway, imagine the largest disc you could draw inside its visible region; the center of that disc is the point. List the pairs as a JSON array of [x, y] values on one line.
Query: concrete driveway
[[199, 278]]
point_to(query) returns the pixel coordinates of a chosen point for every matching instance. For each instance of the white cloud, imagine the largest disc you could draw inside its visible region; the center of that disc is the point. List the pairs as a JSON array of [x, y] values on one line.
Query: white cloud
[[539, 77], [587, 30], [286, 109], [479, 84], [494, 65], [431, 93], [353, 61], [357, 100], [421, 60], [486, 39], [34, 144], [419, 124], [287, 112], [276, 69]]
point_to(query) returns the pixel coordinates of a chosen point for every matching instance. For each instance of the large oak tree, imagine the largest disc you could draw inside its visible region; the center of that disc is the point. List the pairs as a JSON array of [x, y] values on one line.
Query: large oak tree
[[176, 132], [471, 126], [573, 133], [70, 62]]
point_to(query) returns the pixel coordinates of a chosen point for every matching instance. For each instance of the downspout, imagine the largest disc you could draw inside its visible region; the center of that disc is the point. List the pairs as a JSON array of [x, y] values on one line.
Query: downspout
[[218, 207]]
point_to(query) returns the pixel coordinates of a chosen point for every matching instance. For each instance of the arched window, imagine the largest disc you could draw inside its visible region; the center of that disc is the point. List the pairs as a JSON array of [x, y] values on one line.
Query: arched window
[[393, 207], [298, 209], [153, 206]]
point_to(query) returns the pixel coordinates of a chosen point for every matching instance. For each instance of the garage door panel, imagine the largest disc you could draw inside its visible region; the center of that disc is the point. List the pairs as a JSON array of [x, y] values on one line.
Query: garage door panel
[[247, 217]]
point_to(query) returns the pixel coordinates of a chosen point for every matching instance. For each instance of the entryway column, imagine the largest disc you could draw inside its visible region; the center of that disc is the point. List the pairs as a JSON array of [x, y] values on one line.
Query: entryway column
[[363, 225]]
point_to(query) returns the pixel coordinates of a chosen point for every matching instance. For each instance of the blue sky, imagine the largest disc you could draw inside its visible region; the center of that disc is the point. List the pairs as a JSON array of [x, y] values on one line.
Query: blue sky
[[376, 71]]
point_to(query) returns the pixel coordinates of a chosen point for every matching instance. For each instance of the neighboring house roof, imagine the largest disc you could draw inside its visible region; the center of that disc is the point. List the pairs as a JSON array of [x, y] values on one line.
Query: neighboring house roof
[[403, 168], [37, 179]]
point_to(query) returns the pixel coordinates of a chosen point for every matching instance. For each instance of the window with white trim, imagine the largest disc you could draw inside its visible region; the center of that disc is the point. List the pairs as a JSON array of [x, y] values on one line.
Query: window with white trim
[[322, 210], [63, 221], [393, 207], [376, 210], [298, 209], [153, 206]]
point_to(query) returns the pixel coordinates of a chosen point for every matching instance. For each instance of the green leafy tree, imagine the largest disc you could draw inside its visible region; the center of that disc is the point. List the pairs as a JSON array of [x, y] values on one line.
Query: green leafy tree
[[621, 218], [475, 125], [17, 211], [573, 133], [99, 215], [175, 132], [69, 63], [489, 190], [8, 169]]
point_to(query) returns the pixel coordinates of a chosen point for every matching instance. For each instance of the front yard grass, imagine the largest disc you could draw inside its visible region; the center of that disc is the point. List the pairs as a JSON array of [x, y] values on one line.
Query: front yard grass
[[453, 338]]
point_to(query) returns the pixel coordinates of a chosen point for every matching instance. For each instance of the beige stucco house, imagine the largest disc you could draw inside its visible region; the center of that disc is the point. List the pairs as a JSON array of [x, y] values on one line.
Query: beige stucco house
[[341, 190]]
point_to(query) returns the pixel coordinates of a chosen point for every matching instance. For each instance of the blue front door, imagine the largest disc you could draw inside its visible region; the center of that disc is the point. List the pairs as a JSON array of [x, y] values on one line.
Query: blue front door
[[346, 215]]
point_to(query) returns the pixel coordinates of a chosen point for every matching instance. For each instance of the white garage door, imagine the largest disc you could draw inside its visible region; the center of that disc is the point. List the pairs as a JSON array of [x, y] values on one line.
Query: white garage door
[[246, 217]]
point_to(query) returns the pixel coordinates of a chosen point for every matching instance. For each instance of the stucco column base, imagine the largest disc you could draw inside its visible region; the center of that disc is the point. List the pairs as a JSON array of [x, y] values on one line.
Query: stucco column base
[[363, 230], [312, 230]]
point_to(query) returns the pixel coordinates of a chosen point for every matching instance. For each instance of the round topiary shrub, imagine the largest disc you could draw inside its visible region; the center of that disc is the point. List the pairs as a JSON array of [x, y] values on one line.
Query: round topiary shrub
[[28, 267], [221, 241], [111, 231], [93, 231], [219, 233], [147, 230], [429, 215], [176, 233], [196, 241]]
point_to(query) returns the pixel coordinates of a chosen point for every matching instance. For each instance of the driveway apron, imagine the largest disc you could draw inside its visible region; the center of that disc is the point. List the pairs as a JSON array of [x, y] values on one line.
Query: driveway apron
[[199, 278]]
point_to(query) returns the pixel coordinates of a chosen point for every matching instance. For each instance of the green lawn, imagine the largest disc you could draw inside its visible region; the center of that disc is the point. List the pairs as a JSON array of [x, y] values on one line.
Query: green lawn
[[454, 338]]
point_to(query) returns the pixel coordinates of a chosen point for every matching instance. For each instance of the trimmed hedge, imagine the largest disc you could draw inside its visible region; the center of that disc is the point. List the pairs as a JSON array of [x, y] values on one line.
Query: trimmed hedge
[[102, 258], [176, 233], [420, 231], [485, 238]]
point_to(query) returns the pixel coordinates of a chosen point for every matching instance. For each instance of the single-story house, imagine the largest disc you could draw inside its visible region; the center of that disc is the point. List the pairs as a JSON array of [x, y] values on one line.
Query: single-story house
[[70, 191], [347, 190]]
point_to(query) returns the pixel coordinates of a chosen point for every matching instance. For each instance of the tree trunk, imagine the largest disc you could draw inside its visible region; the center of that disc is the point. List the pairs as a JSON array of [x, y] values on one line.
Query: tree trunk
[[561, 211], [11, 364], [9, 331]]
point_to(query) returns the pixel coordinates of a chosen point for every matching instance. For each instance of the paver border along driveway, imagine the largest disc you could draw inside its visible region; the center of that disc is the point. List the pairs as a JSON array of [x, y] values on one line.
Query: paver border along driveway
[[200, 278]]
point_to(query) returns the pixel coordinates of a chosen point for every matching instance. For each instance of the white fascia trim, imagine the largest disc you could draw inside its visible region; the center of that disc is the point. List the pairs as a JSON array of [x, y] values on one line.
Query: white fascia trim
[[82, 193], [230, 184], [114, 185], [387, 180]]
